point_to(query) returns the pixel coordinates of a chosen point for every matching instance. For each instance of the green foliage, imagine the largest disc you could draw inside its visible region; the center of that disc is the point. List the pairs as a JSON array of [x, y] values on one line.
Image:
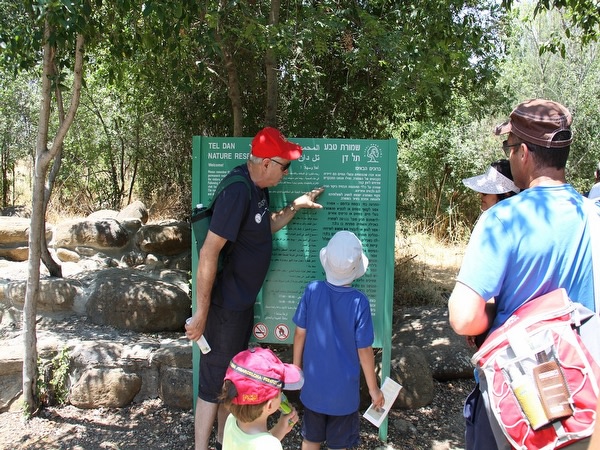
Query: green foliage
[[436, 75], [434, 156], [433, 159], [386, 62], [580, 14], [17, 134], [572, 79], [53, 379]]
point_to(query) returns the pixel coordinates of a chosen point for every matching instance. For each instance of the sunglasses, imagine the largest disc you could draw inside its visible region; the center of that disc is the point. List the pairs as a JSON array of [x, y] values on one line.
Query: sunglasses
[[284, 167], [506, 147]]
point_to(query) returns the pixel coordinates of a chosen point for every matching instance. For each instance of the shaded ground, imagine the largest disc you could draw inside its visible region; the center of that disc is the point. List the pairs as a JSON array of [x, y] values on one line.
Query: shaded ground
[[425, 277], [151, 425]]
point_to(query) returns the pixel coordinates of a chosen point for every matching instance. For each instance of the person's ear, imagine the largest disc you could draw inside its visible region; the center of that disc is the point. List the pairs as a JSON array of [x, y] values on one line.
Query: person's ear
[[269, 406]]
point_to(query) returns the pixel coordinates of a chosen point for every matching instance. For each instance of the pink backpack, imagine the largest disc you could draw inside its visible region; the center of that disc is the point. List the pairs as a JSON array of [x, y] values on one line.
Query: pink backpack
[[538, 378]]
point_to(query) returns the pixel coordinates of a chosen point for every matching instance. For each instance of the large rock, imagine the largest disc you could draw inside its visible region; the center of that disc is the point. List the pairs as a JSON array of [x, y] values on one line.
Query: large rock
[[127, 299], [105, 234], [176, 387], [16, 211], [103, 214], [11, 375], [165, 238], [448, 354], [136, 210], [410, 369], [111, 388], [175, 383], [14, 237], [55, 295]]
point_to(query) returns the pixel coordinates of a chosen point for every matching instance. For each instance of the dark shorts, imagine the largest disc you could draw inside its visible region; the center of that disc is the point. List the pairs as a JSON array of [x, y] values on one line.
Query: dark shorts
[[336, 431], [478, 432], [227, 332]]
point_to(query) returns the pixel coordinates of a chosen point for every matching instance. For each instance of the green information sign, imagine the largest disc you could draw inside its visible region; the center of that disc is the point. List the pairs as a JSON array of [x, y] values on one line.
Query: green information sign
[[359, 177]]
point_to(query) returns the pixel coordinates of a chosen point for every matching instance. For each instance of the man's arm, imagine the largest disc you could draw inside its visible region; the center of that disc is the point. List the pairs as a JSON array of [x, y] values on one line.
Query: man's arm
[[281, 218], [469, 314], [205, 278]]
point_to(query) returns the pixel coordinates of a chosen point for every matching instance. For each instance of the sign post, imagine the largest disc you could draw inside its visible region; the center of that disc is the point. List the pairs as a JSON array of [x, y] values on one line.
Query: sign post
[[359, 177]]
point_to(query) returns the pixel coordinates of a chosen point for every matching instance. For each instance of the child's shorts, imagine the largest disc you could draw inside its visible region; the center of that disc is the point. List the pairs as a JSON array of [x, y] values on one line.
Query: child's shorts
[[336, 431]]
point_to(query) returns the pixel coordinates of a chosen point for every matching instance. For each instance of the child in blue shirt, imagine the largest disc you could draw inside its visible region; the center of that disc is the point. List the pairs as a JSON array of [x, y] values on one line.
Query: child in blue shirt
[[332, 342]]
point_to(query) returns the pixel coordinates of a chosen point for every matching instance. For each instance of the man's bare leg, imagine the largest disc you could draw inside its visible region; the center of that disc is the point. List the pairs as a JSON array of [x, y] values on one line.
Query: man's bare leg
[[206, 413], [221, 419]]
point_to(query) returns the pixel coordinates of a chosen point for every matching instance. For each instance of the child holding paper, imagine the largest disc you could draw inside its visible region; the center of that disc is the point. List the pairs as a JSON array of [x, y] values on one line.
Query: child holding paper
[[332, 342]]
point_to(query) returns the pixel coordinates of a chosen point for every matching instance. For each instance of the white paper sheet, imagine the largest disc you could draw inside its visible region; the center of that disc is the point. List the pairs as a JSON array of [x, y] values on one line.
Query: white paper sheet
[[390, 390]]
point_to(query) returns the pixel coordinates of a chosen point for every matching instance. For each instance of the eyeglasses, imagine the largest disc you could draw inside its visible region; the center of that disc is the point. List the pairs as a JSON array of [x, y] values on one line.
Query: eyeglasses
[[284, 167], [506, 147]]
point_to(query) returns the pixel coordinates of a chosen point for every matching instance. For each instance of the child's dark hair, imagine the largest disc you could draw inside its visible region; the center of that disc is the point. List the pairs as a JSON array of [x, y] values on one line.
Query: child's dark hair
[[503, 166], [244, 413]]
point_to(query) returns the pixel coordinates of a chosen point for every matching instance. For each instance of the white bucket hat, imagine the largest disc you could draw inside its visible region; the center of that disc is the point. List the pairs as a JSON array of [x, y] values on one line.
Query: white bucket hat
[[491, 182], [343, 259]]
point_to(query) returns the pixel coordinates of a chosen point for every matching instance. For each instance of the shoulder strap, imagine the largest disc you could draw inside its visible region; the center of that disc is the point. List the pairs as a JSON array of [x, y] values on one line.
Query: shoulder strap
[[227, 181], [594, 226]]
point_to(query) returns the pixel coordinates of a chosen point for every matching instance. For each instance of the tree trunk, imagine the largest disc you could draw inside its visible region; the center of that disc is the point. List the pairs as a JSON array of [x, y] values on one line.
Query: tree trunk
[[54, 268], [233, 82], [271, 71], [44, 157], [233, 89]]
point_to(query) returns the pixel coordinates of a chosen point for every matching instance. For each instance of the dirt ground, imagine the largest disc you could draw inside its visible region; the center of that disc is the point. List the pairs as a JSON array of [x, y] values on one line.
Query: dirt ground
[[152, 425]]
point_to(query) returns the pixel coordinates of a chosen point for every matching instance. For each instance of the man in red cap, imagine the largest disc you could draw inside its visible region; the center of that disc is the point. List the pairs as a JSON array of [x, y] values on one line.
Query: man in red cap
[[525, 246], [225, 299]]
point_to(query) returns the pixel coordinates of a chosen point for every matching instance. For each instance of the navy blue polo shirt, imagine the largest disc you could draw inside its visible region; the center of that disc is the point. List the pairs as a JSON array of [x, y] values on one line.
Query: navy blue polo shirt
[[246, 224]]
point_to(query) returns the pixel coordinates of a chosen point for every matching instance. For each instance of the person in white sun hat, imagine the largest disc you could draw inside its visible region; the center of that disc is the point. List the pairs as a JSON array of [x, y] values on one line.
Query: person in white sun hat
[[332, 342], [494, 185]]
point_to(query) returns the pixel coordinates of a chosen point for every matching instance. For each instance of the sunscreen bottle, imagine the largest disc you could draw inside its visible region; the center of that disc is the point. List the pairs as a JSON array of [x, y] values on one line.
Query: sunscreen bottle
[[202, 343], [527, 396], [552, 386]]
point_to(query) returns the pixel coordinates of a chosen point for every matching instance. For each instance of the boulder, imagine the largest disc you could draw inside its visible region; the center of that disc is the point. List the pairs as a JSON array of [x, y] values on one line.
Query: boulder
[[98, 234], [165, 238], [16, 211], [110, 388], [409, 368], [11, 375], [136, 210], [14, 237], [448, 354], [54, 295], [103, 214], [176, 387], [127, 299]]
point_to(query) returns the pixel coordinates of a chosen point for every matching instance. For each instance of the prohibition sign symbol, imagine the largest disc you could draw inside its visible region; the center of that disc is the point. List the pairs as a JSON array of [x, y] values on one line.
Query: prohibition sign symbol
[[260, 331], [282, 331]]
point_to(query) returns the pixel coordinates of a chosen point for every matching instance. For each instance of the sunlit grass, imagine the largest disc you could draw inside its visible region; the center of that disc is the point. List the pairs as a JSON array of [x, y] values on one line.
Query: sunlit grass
[[425, 269]]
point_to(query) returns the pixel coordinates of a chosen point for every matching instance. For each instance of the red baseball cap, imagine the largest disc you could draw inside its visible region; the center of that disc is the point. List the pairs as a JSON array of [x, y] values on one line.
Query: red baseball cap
[[258, 375], [269, 142]]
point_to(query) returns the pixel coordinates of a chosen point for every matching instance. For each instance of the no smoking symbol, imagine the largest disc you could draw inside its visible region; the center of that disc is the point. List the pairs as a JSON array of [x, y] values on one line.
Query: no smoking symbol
[[260, 331], [282, 331]]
